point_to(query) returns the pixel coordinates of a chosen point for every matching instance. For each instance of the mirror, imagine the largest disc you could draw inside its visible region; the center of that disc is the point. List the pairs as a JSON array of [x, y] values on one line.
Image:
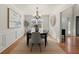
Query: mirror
[[53, 20]]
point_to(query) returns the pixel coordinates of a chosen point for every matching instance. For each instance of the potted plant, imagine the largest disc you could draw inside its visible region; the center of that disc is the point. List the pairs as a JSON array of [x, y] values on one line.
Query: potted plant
[[26, 24]]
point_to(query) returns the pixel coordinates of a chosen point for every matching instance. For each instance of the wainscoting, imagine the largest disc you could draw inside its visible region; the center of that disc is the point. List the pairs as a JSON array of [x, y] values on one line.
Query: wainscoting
[[8, 38]]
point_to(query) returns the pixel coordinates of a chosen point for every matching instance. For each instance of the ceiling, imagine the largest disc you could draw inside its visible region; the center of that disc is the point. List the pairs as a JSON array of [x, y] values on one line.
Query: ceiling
[[43, 8]]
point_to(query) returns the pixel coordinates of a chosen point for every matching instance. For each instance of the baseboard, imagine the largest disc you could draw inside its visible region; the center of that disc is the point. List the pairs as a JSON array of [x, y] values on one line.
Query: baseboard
[[9, 48]]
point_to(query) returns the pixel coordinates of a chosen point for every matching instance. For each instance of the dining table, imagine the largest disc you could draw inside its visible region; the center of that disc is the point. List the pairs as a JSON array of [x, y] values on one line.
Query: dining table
[[43, 33]]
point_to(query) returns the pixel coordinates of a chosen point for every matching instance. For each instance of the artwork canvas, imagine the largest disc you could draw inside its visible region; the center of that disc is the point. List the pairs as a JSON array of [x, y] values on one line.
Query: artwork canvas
[[14, 19]]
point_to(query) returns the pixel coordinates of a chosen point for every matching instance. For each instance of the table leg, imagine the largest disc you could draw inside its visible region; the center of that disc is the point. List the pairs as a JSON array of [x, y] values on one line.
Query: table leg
[[45, 40], [27, 40]]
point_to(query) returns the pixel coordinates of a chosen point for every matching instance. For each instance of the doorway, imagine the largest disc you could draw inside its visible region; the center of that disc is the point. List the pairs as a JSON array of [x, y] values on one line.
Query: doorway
[[77, 25]]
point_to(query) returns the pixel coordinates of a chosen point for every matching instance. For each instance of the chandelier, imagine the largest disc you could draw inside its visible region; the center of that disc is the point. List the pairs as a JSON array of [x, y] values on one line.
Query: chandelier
[[37, 19], [37, 15]]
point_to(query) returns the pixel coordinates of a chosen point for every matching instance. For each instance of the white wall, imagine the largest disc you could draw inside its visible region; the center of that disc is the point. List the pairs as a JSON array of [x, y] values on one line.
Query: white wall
[[71, 13], [55, 31], [30, 9], [67, 16], [45, 22], [76, 13], [8, 36]]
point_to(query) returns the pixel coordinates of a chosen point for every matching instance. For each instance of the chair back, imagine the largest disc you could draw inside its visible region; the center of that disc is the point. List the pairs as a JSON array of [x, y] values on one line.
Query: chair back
[[35, 37]]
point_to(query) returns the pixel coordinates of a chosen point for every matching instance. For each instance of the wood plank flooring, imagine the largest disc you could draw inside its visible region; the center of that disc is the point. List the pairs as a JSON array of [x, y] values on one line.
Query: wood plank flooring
[[21, 48], [71, 46]]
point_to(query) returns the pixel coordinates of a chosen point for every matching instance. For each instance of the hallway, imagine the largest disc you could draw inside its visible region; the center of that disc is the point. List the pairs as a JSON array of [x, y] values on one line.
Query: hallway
[[16, 19], [51, 48]]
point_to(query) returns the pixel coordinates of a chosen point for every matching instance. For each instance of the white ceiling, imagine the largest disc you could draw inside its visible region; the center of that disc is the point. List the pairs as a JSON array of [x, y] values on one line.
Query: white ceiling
[[43, 8]]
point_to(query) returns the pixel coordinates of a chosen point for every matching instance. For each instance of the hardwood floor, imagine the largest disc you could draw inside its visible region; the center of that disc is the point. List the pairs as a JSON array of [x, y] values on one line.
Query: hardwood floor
[[71, 46], [21, 48]]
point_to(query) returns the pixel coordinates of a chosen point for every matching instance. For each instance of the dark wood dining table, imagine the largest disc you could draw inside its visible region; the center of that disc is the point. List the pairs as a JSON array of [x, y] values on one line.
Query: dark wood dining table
[[43, 36]]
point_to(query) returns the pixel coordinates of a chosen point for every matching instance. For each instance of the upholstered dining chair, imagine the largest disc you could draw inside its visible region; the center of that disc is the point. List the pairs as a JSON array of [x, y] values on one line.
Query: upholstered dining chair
[[36, 39]]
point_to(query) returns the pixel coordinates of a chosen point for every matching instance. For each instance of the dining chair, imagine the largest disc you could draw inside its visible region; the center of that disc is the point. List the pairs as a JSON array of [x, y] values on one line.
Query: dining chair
[[36, 40]]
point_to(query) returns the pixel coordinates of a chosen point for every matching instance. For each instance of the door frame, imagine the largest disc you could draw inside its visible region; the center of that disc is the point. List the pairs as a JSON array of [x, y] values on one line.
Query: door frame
[[76, 25]]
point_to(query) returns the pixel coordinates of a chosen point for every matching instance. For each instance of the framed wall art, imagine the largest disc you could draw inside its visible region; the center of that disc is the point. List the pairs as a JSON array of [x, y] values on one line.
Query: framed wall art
[[14, 19]]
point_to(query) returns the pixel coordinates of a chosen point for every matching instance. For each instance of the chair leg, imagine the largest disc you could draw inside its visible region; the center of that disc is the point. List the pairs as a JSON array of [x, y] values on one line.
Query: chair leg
[[39, 46], [31, 46]]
